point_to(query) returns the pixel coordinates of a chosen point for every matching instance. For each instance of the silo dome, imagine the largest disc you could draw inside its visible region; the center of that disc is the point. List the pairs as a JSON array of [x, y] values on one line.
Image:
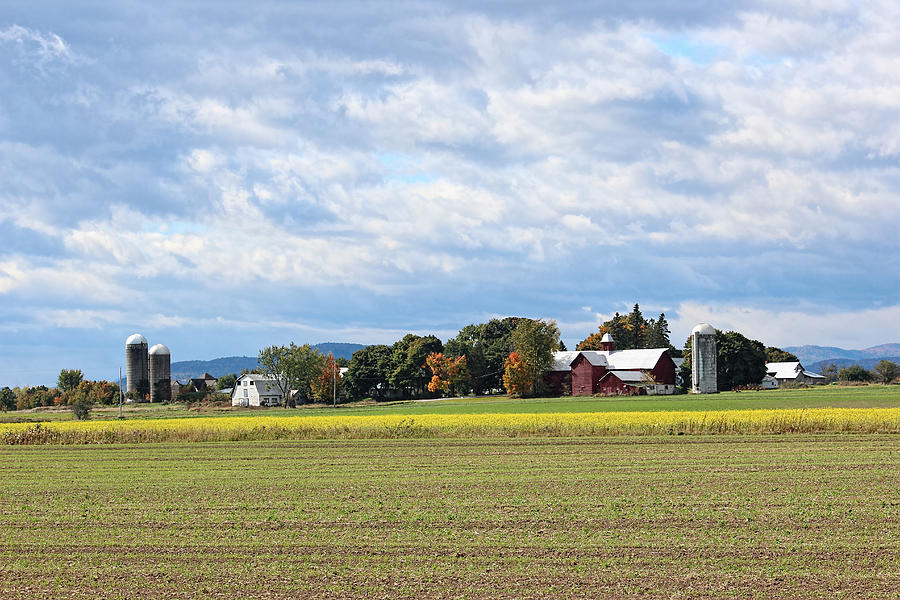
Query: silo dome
[[159, 349], [135, 339], [606, 337], [703, 329]]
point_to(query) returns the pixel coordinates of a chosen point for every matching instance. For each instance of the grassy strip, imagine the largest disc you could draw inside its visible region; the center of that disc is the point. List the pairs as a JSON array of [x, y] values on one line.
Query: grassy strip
[[210, 429]]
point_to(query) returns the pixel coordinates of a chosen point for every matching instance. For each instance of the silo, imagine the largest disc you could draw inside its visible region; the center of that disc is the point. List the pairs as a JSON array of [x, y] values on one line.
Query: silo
[[703, 359], [160, 374], [137, 366]]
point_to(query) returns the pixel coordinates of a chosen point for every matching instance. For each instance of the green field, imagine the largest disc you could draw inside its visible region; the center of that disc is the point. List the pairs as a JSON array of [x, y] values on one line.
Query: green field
[[871, 396], [651, 517]]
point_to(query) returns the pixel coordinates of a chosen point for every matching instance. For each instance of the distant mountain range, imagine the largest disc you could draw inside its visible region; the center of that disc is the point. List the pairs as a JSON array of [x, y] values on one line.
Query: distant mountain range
[[185, 369], [815, 358]]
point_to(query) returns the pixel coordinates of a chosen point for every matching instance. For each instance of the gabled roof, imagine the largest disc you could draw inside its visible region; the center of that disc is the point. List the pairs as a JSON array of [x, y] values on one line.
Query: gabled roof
[[784, 370], [617, 359], [255, 377], [789, 370]]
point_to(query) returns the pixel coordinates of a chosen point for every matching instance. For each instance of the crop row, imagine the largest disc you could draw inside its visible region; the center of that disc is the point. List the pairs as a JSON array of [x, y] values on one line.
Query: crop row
[[818, 420]]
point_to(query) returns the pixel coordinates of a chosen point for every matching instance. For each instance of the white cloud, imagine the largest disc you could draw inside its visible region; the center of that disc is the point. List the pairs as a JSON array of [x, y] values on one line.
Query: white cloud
[[489, 162], [44, 47], [808, 324]]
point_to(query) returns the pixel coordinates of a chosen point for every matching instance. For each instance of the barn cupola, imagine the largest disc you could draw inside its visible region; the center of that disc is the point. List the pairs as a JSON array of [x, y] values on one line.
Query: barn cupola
[[607, 343]]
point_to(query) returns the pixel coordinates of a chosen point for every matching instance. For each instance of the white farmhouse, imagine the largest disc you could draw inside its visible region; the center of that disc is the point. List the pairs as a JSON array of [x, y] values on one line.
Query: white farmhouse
[[253, 389]]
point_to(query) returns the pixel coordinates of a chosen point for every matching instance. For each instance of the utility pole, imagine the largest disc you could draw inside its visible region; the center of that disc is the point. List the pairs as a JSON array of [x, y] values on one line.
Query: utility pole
[[121, 392], [334, 382]]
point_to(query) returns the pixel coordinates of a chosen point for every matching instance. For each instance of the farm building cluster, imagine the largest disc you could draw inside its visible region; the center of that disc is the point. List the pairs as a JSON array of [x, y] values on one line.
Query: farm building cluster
[[648, 371], [611, 372]]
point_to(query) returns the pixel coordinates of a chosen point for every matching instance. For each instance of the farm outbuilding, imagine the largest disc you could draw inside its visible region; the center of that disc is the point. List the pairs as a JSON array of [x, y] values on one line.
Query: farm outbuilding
[[793, 371]]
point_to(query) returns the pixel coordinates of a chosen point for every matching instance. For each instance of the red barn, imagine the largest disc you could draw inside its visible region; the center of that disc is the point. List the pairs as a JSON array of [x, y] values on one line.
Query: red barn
[[611, 371]]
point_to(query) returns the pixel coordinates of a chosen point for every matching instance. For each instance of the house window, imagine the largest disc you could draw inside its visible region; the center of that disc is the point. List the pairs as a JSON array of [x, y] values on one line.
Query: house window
[[251, 383], [245, 393]]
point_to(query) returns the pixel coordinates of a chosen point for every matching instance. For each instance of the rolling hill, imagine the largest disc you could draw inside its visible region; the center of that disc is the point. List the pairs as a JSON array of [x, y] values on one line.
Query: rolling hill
[[815, 358], [217, 367]]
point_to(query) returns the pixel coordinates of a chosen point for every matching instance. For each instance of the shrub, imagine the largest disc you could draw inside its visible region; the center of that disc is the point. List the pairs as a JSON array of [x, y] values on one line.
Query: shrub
[[81, 408]]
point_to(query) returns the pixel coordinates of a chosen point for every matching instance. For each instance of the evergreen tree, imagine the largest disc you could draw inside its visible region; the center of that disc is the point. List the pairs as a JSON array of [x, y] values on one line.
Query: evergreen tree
[[636, 328], [658, 332]]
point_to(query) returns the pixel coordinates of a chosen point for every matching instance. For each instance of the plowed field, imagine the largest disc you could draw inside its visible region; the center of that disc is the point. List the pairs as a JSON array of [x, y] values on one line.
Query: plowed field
[[652, 517]]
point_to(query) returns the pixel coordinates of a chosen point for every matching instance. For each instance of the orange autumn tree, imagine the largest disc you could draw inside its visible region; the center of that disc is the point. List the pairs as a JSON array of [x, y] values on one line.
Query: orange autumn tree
[[324, 386], [517, 376], [447, 372]]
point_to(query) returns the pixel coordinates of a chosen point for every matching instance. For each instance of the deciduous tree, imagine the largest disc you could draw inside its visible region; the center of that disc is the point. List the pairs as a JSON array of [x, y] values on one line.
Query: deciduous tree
[[534, 341], [486, 347], [408, 358], [517, 376], [69, 379], [368, 372], [226, 382], [447, 373], [888, 370], [774, 354], [855, 373], [292, 367]]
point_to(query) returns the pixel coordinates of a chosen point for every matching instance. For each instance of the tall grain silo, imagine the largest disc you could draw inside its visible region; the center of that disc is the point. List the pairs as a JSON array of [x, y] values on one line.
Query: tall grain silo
[[137, 366], [703, 359], [160, 374]]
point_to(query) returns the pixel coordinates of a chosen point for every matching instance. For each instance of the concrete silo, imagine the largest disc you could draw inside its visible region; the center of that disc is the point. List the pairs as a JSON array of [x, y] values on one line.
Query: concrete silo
[[137, 366], [703, 359], [160, 374]]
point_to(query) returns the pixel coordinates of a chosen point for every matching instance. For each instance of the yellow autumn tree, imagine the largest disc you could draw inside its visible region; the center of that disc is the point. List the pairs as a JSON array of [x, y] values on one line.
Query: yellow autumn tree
[[517, 376]]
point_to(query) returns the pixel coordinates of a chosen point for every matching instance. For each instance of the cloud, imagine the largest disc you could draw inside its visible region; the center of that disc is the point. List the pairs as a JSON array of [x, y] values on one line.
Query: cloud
[[807, 325], [42, 47], [423, 168]]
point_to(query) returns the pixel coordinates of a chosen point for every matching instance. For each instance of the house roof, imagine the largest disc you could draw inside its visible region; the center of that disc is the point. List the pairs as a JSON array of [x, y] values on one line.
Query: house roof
[[256, 377]]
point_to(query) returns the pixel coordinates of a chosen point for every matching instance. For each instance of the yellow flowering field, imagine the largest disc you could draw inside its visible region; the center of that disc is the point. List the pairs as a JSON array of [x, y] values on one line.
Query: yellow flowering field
[[267, 427]]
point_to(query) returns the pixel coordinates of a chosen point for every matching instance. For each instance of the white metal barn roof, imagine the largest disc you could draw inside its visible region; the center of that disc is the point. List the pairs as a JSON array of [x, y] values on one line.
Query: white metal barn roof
[[617, 359]]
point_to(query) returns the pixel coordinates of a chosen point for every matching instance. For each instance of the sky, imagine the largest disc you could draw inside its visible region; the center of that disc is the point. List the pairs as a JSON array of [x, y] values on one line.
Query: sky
[[224, 176]]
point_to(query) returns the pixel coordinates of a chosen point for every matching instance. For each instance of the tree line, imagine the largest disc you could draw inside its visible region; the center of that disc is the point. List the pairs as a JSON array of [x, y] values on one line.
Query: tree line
[[71, 390], [476, 361]]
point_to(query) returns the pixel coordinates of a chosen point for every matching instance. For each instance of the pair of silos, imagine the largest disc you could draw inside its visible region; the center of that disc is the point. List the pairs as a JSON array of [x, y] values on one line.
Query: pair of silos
[[148, 371]]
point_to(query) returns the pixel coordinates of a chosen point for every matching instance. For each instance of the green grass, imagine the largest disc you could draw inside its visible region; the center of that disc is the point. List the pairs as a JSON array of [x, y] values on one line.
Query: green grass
[[715, 517], [871, 396]]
